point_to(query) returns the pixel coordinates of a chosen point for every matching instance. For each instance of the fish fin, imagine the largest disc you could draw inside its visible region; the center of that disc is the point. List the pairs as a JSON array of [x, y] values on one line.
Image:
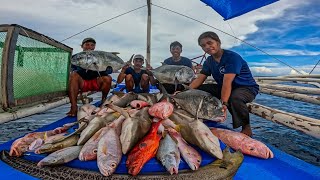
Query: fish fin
[[176, 82], [45, 136], [178, 127], [198, 110]]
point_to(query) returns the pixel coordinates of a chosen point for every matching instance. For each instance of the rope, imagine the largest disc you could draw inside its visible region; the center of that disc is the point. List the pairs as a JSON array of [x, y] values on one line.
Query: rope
[[228, 35], [103, 22], [314, 67]]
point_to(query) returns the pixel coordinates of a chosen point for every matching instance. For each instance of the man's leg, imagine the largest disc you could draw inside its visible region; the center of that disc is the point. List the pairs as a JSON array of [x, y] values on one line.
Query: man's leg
[[144, 83], [129, 82], [239, 110], [75, 83], [104, 83]]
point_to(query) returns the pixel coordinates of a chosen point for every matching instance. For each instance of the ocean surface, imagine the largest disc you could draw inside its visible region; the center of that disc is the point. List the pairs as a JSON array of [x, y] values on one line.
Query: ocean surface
[[293, 142]]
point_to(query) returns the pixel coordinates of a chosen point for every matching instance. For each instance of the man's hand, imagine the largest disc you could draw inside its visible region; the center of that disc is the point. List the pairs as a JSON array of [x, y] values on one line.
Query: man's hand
[[224, 110], [124, 68]]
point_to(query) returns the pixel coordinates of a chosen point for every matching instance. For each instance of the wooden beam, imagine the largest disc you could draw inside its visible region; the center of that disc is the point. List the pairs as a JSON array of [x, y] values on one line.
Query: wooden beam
[[258, 79], [303, 76], [148, 33], [301, 123], [296, 89], [290, 95]]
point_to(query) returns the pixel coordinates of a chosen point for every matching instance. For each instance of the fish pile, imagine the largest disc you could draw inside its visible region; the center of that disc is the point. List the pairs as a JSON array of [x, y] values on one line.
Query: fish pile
[[142, 126]]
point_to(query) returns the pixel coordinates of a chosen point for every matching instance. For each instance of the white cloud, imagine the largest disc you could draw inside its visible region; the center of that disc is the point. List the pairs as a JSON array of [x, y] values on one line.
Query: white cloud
[[60, 19], [263, 64], [283, 70], [259, 70]]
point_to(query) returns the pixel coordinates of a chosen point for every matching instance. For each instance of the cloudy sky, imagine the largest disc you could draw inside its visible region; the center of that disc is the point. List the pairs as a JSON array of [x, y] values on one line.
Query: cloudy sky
[[288, 30]]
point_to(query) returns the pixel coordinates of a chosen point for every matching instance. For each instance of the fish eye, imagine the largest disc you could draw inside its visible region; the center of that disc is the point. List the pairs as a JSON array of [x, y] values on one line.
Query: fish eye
[[113, 165], [95, 151]]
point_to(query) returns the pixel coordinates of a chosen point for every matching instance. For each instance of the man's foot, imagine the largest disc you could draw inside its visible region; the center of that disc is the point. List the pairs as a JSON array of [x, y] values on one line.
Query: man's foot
[[246, 129], [72, 112]]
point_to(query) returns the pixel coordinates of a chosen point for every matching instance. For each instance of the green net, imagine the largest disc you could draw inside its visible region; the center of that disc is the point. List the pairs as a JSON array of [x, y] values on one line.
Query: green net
[[2, 39], [39, 68]]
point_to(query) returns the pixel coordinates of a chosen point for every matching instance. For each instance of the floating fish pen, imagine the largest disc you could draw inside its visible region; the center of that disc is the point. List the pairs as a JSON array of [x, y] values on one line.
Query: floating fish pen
[[34, 71]]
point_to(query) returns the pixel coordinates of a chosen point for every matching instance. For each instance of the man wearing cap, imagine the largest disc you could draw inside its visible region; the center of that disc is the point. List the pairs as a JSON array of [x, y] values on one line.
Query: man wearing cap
[[235, 84], [176, 59], [86, 80], [136, 79]]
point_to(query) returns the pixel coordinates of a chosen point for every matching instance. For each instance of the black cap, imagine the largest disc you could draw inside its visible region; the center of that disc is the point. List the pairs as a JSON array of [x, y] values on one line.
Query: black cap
[[89, 39]]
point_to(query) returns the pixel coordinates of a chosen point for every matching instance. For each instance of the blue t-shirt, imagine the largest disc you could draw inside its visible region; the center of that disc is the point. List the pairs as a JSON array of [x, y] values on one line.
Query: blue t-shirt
[[137, 79], [230, 63], [183, 61]]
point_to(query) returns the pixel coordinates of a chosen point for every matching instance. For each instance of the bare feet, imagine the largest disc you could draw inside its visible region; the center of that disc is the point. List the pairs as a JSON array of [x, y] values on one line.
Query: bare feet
[[73, 112], [246, 129]]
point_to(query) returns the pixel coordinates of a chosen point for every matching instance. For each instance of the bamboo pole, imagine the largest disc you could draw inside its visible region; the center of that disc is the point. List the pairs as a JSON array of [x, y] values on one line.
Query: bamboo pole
[[297, 89], [148, 33], [305, 124], [287, 79], [6, 116], [290, 95], [303, 76]]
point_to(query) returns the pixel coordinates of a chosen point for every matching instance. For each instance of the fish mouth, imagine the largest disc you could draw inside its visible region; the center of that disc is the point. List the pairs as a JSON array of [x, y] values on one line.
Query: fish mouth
[[219, 119], [173, 170]]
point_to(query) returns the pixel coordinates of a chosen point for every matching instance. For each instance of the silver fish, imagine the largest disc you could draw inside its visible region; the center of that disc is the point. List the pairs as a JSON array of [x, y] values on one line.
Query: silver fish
[[200, 104], [168, 154], [173, 74], [61, 156], [196, 132], [97, 61]]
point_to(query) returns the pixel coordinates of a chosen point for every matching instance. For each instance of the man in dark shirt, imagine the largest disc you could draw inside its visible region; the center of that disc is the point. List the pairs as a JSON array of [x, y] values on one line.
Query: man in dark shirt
[[86, 80], [176, 59], [136, 79], [235, 83]]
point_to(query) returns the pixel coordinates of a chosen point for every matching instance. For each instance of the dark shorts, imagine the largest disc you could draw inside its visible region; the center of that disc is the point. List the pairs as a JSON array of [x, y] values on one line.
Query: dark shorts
[[90, 85]]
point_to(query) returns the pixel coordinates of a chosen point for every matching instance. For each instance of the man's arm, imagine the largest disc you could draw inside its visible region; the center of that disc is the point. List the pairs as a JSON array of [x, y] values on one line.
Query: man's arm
[[198, 81], [227, 87], [122, 74]]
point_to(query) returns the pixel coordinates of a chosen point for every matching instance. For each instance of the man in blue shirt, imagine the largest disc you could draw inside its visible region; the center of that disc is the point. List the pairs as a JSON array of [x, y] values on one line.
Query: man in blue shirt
[[176, 59], [136, 79], [235, 83], [84, 80]]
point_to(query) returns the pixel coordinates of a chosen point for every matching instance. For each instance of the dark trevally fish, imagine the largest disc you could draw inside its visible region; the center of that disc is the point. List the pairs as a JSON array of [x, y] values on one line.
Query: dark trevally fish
[[200, 104], [173, 74], [97, 60], [219, 169]]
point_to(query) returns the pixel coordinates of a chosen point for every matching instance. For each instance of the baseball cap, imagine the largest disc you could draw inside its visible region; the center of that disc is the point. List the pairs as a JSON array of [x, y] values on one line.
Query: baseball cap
[[89, 39], [138, 56]]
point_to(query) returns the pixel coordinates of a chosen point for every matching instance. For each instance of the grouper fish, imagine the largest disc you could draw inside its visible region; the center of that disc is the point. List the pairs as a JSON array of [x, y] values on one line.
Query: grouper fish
[[97, 61], [217, 170]]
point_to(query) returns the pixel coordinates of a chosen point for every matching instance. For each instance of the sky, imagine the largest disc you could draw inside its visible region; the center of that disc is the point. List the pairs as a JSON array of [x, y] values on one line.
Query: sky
[[288, 30]]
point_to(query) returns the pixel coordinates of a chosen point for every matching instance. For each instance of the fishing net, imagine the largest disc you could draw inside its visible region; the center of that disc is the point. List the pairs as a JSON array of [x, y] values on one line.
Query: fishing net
[[2, 39], [38, 68]]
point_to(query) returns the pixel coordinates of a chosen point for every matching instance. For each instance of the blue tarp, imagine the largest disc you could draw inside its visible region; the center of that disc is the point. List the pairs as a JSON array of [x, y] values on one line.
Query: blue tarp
[[232, 8]]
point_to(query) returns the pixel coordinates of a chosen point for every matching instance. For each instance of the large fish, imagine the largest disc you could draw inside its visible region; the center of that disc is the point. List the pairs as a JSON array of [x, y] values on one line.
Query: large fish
[[196, 132], [61, 156], [144, 150], [51, 147], [109, 148], [97, 61], [95, 125], [242, 142], [134, 128], [168, 154], [200, 104], [173, 74], [189, 154], [218, 170]]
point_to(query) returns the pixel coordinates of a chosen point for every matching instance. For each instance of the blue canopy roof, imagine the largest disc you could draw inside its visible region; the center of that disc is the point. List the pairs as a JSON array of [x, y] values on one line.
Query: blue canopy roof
[[232, 8]]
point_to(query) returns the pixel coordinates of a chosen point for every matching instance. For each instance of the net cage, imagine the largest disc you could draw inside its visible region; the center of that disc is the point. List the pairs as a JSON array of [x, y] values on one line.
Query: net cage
[[34, 67]]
